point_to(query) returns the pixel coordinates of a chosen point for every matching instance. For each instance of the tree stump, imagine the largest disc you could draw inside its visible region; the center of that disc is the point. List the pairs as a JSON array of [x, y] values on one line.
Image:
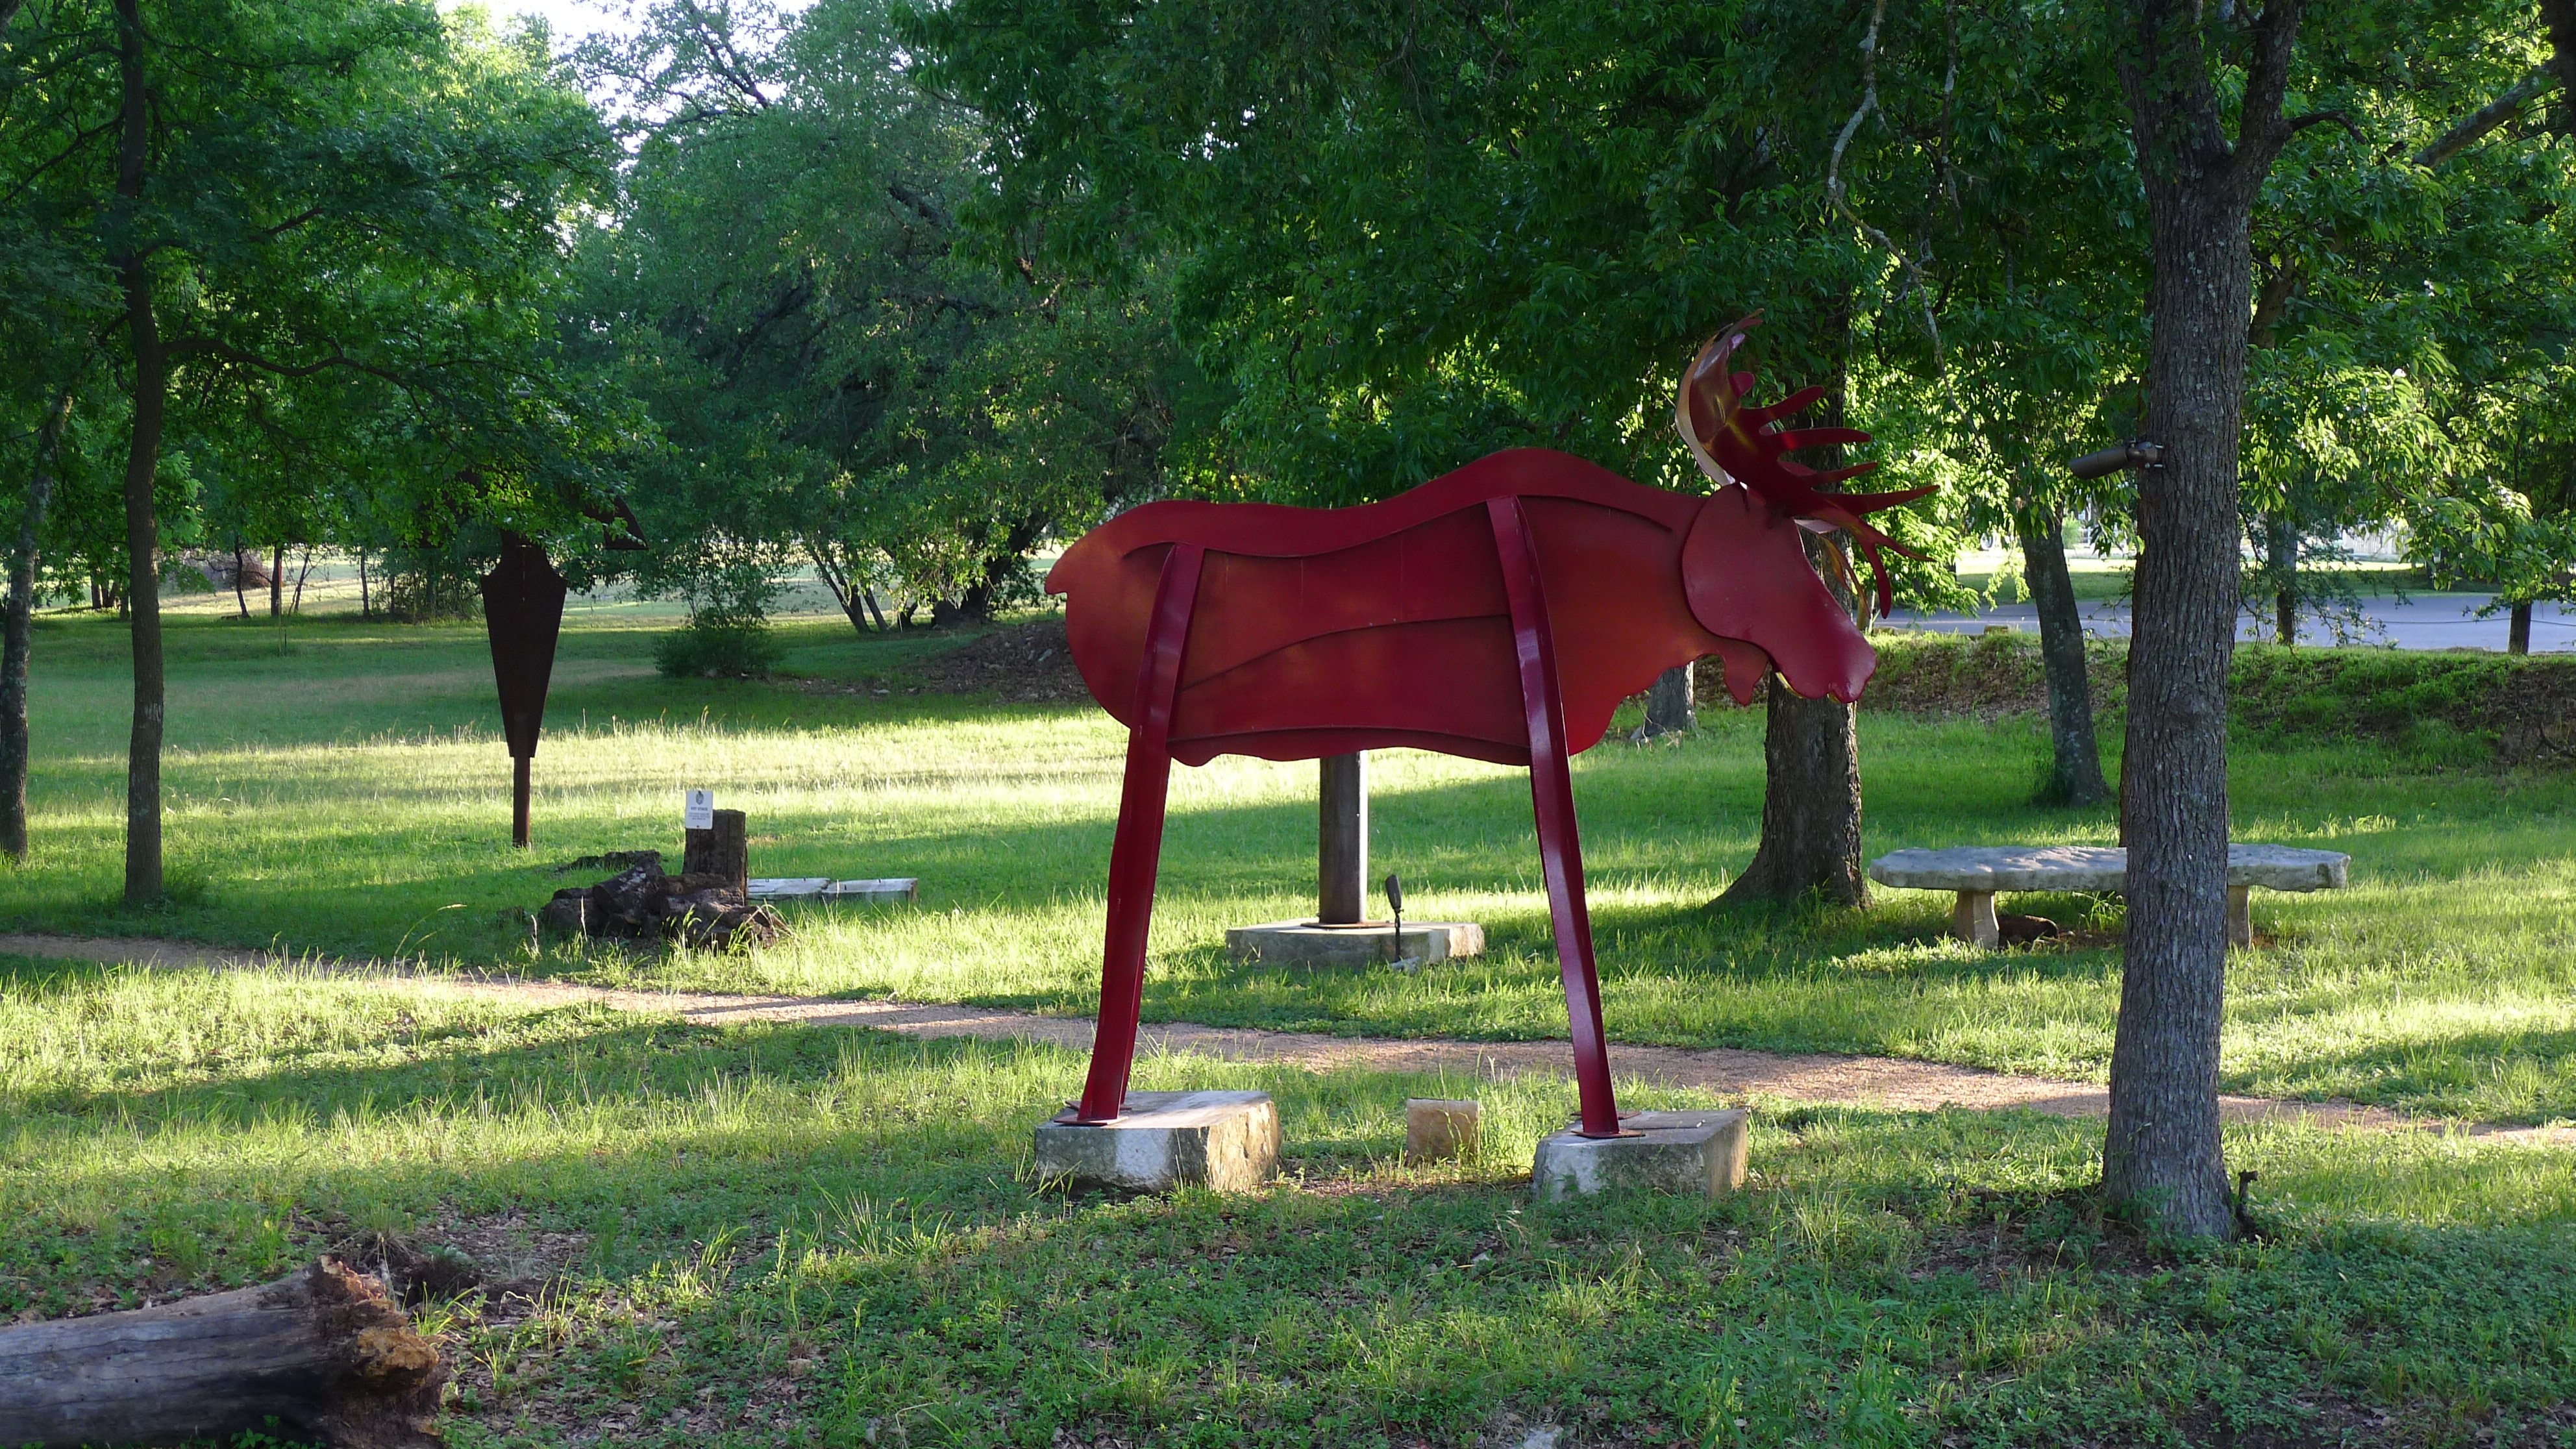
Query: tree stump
[[723, 852], [322, 1351]]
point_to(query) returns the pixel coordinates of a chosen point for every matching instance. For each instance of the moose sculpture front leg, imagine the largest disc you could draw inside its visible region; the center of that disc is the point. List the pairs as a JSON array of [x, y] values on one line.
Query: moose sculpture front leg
[[1560, 848], [1136, 853]]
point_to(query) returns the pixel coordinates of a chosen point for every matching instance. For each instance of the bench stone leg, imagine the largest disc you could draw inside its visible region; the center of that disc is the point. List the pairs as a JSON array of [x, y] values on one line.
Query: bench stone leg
[[2240, 916], [1973, 920]]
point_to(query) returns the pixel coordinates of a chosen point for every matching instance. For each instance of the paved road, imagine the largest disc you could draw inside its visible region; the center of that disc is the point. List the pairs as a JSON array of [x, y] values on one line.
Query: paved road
[[2420, 621]]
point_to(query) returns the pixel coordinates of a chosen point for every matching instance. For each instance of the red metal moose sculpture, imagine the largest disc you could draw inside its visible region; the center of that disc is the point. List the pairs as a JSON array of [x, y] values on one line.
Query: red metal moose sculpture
[[1500, 612]]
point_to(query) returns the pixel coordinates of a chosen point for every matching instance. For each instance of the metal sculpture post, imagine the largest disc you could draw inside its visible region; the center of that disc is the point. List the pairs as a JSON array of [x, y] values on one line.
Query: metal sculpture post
[[1501, 612], [523, 601], [1341, 840]]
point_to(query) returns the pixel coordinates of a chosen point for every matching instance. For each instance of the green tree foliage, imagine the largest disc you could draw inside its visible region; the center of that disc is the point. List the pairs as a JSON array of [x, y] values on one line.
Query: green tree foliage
[[842, 381], [1404, 236], [332, 230]]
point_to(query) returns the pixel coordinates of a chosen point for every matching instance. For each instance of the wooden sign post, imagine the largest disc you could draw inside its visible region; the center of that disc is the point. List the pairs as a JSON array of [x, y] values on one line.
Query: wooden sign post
[[523, 599]]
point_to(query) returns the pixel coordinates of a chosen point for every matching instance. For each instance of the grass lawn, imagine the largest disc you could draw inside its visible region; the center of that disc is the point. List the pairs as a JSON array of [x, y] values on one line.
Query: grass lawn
[[349, 796], [765, 1235]]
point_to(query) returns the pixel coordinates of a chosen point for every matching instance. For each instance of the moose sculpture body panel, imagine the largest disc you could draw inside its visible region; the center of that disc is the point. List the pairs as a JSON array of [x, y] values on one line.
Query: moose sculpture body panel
[[1499, 612]]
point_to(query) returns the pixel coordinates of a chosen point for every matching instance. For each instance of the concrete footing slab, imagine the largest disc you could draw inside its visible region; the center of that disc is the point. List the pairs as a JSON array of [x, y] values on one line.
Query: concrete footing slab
[[1700, 1153], [1436, 1130], [1303, 943], [1225, 1140], [887, 889]]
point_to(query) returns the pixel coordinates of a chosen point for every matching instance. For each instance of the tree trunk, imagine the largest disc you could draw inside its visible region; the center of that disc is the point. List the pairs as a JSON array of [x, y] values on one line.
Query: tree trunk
[[2561, 18], [2162, 1156], [277, 580], [241, 590], [2517, 638], [142, 464], [1671, 706], [323, 1351], [303, 571], [2281, 557], [2075, 776], [1810, 805], [842, 583], [19, 625], [975, 606], [366, 605]]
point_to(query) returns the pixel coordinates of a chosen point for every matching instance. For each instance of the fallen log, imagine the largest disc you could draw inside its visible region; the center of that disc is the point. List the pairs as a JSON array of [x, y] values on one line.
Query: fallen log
[[322, 1351]]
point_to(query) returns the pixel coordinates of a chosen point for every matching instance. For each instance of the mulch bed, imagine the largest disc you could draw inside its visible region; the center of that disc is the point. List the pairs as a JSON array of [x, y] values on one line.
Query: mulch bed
[[1022, 664]]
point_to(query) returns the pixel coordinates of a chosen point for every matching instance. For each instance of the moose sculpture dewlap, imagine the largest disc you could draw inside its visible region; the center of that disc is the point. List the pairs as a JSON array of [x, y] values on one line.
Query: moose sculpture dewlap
[[1500, 612]]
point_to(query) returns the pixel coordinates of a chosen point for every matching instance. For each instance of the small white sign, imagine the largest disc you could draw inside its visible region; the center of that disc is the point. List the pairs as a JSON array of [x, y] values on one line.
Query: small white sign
[[700, 812]]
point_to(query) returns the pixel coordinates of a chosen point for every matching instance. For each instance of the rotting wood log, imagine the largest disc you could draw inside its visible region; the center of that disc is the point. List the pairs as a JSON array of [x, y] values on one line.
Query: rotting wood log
[[322, 1352]]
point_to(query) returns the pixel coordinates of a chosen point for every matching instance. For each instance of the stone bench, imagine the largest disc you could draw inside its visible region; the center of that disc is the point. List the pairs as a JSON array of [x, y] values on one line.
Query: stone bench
[[1978, 873]]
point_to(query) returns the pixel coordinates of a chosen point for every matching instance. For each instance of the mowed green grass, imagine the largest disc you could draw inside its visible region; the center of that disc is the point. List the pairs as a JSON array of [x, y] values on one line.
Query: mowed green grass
[[766, 1235], [774, 1235], [348, 796]]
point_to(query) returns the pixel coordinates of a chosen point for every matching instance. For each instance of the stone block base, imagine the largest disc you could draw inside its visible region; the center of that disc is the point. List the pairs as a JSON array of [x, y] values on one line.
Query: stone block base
[[1303, 943], [875, 892], [1435, 1131], [1225, 1140], [1686, 1152]]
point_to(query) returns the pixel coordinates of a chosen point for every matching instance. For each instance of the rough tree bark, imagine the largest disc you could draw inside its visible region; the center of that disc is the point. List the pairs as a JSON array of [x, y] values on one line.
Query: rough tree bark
[[2561, 17], [2281, 561], [17, 624], [2075, 773], [142, 464], [1672, 706], [2161, 1154], [975, 606], [1811, 839], [323, 1351], [2517, 637], [276, 580]]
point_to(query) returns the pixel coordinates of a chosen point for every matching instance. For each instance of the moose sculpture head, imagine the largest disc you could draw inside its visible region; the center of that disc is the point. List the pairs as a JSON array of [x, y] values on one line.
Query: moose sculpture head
[[1501, 612], [1744, 568]]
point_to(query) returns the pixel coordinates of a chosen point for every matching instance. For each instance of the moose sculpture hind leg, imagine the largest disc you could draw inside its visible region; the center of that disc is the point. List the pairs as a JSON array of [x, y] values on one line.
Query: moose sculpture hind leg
[[1560, 847], [1136, 854]]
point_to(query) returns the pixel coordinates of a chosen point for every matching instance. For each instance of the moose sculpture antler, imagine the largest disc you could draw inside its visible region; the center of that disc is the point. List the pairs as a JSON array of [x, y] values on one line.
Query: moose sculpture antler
[[1500, 612]]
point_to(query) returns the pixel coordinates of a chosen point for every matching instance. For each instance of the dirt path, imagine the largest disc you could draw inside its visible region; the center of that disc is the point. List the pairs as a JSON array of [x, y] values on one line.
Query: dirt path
[[1885, 1082]]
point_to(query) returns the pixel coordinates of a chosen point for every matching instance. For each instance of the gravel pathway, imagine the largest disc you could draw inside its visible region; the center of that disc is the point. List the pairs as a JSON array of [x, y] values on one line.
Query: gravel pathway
[[1885, 1082]]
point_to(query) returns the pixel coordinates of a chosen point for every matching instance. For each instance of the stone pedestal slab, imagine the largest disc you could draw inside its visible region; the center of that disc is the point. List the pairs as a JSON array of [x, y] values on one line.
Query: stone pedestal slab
[[1303, 943], [1686, 1152], [1225, 1140], [1435, 1131], [872, 892]]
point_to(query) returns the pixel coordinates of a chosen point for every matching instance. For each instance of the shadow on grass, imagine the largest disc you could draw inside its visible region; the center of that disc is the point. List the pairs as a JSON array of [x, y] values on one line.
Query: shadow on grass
[[832, 1226]]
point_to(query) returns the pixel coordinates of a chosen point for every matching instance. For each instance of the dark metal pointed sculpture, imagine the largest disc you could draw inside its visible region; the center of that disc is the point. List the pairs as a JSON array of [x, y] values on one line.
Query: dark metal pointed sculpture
[[1500, 612], [523, 600]]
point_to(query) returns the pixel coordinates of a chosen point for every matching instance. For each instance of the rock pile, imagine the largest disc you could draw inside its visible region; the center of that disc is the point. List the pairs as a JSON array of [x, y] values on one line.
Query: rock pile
[[640, 902]]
